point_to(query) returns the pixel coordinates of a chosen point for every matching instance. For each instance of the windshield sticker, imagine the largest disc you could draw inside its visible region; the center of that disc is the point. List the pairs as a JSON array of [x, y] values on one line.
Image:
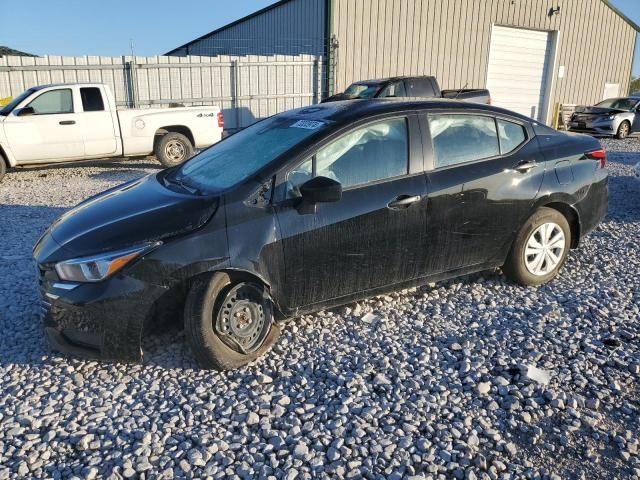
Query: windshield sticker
[[307, 124]]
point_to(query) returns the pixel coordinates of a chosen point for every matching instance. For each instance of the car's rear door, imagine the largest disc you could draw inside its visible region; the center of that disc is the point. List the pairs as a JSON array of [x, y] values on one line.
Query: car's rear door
[[484, 173], [99, 132], [375, 234]]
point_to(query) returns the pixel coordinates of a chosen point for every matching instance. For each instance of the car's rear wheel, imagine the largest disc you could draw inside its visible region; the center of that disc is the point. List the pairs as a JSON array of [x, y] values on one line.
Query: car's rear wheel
[[228, 323], [540, 249], [172, 149], [623, 130]]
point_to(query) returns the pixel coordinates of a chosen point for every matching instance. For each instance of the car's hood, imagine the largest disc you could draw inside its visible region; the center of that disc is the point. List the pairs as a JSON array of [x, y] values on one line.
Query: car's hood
[[135, 212], [599, 110]]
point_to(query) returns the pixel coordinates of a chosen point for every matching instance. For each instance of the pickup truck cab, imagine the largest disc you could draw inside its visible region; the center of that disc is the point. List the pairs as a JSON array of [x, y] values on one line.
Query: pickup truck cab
[[66, 122], [412, 87]]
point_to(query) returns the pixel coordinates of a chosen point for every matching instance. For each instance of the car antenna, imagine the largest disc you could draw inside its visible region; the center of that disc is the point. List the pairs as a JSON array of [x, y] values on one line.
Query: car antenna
[[460, 91]]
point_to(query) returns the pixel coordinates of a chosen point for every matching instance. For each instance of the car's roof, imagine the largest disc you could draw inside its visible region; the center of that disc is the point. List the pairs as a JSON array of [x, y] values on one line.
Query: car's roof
[[350, 110], [375, 81], [49, 85]]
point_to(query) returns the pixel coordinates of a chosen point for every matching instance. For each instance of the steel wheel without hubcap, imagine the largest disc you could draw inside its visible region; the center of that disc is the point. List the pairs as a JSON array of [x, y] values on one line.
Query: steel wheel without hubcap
[[244, 318], [544, 249], [175, 150]]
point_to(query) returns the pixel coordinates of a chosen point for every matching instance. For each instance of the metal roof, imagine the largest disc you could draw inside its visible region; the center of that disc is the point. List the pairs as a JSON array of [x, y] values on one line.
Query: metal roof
[[283, 2]]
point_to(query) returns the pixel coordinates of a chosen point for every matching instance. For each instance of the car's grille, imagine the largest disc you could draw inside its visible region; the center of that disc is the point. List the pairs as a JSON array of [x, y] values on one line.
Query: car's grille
[[44, 276]]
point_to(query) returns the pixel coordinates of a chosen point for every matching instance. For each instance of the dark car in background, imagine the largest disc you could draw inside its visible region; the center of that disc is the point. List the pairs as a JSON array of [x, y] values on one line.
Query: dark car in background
[[614, 117], [408, 87], [314, 208]]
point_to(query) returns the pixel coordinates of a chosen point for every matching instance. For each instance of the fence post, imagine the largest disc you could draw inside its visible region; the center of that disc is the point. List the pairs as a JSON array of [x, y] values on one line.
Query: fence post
[[316, 80], [235, 103], [129, 86]]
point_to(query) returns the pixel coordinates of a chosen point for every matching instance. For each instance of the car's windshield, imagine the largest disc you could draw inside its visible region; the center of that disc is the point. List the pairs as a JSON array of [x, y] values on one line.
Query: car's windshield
[[245, 153], [6, 110], [362, 90], [618, 103]]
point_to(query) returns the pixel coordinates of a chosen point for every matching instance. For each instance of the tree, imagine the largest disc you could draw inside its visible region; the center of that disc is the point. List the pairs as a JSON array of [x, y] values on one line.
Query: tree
[[635, 85]]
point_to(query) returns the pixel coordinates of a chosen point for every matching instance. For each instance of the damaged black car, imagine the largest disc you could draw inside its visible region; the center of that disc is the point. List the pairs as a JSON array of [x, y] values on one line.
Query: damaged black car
[[310, 209]]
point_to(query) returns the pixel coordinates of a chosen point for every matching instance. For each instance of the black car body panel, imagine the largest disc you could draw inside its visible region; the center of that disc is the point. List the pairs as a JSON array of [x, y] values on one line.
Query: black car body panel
[[460, 219]]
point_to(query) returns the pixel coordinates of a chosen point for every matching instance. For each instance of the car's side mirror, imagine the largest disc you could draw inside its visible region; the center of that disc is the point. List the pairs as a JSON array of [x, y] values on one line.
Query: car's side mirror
[[26, 111], [321, 190]]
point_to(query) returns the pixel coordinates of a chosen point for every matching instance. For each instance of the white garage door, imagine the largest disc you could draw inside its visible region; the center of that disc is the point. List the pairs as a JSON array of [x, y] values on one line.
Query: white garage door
[[519, 62]]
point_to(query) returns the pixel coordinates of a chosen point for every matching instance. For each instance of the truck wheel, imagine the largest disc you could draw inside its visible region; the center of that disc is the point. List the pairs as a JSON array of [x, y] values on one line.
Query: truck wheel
[[3, 168], [228, 324], [540, 249], [623, 130], [172, 149]]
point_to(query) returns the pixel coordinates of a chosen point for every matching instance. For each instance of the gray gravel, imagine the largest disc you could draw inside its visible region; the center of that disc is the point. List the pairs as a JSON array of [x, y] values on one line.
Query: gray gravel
[[472, 378]]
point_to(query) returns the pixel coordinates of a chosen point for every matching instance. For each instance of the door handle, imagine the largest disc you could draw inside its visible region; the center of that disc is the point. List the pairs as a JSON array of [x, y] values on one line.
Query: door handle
[[524, 167], [67, 122], [403, 201]]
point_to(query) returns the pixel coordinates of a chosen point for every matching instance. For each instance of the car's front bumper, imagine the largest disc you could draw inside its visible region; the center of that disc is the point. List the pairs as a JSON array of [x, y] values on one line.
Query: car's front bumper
[[605, 129], [101, 320]]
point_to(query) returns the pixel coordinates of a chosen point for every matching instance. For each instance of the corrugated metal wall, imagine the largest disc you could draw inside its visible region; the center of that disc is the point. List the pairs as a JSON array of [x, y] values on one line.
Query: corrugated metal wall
[[247, 88], [450, 39], [292, 28]]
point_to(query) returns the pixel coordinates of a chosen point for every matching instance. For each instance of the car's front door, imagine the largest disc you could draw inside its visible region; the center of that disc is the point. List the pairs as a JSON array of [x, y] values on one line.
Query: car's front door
[[51, 133], [485, 175], [374, 235]]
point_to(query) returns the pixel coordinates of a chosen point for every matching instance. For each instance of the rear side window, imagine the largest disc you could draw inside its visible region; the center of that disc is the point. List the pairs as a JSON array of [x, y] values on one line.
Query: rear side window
[[91, 99], [463, 138], [419, 87], [511, 136], [52, 102]]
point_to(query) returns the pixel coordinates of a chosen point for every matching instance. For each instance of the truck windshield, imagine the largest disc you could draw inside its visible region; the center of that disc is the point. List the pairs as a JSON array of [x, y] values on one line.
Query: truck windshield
[[6, 110], [362, 90], [245, 153], [618, 103]]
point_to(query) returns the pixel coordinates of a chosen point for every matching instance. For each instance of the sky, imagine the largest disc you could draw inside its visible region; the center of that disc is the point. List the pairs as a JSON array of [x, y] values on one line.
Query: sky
[[107, 27]]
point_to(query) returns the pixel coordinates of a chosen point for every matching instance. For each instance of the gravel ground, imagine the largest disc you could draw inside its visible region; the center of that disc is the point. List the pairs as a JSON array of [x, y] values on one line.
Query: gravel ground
[[445, 381]]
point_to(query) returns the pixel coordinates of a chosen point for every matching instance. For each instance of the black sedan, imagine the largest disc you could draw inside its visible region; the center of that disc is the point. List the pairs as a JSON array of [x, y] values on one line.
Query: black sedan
[[310, 209]]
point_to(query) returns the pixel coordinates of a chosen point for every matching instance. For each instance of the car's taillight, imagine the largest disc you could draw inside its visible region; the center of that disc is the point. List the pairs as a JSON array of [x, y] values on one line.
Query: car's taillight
[[599, 154], [220, 120]]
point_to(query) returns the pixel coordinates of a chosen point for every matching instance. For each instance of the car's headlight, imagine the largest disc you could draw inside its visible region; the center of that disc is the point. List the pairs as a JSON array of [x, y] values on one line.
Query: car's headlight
[[612, 117], [99, 267]]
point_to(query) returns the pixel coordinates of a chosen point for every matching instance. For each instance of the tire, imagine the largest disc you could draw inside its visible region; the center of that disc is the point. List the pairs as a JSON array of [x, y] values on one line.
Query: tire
[[211, 348], [172, 149], [623, 130], [520, 267], [3, 168]]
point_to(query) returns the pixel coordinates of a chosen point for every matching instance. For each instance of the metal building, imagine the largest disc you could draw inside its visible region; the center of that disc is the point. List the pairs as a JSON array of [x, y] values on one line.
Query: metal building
[[529, 53]]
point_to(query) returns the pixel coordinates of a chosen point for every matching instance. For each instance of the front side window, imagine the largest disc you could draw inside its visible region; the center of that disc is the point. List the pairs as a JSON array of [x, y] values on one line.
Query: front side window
[[375, 152], [91, 99], [511, 135], [53, 101], [395, 89], [463, 138]]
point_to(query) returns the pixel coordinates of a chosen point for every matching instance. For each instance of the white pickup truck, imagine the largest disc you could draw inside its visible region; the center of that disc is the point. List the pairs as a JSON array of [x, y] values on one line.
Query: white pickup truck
[[66, 122]]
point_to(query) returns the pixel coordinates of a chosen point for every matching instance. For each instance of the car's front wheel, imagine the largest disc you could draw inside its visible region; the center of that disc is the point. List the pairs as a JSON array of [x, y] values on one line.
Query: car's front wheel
[[623, 130], [540, 249], [228, 323]]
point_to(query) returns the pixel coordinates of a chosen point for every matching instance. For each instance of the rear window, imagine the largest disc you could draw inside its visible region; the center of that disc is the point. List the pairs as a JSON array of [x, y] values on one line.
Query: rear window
[[463, 138]]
